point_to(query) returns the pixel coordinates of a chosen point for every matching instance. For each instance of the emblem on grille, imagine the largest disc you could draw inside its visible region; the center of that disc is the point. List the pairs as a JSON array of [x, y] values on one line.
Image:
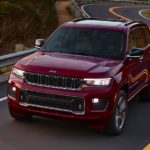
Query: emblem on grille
[[52, 71]]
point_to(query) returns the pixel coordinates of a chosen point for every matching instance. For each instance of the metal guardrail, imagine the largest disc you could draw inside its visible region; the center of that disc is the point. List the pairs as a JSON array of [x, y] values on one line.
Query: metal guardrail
[[77, 12], [10, 59], [75, 7]]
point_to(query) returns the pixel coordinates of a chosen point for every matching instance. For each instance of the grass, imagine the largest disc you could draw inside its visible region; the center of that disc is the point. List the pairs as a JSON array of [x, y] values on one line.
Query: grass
[[146, 13]]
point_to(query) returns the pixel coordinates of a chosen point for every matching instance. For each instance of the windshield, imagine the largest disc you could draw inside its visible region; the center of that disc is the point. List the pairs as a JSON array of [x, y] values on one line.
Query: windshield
[[88, 42]]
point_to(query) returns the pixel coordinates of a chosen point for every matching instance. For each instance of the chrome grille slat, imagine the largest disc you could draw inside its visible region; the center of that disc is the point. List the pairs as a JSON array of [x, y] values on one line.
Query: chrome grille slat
[[61, 82], [32, 78]]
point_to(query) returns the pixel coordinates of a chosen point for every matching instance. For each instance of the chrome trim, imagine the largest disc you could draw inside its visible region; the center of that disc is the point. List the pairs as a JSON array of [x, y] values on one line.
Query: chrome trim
[[137, 92], [52, 108], [52, 71], [53, 86], [137, 82], [14, 99]]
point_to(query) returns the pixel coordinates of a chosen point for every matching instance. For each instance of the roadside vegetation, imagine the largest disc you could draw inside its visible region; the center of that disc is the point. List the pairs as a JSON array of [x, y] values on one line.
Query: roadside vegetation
[[22, 21], [146, 13]]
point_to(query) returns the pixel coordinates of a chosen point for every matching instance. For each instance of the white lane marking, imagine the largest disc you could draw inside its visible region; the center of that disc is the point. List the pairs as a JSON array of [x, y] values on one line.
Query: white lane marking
[[140, 13], [3, 99], [83, 10]]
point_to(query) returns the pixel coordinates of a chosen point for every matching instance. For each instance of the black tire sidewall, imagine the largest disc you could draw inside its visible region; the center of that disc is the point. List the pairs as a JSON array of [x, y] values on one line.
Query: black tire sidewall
[[112, 129]]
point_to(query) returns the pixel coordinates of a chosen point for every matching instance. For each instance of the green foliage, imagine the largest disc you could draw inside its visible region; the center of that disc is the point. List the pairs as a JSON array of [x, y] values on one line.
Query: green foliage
[[146, 13], [7, 8], [22, 21]]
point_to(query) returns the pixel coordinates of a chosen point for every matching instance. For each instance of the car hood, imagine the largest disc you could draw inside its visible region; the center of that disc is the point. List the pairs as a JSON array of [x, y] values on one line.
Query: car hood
[[69, 65]]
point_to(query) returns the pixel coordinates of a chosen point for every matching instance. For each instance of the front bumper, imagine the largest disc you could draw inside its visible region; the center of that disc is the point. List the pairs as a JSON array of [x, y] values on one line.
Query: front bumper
[[87, 94]]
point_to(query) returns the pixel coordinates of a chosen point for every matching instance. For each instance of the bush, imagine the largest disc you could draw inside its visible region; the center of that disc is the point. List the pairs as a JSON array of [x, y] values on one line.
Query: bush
[[22, 21]]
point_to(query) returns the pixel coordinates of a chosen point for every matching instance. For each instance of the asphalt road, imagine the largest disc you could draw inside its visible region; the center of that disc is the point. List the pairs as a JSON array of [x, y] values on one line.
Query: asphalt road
[[47, 134], [44, 133], [3, 89], [102, 12], [133, 13]]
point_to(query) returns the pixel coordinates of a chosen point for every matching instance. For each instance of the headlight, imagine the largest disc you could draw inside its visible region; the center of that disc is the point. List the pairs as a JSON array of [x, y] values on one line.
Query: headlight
[[19, 73], [97, 82]]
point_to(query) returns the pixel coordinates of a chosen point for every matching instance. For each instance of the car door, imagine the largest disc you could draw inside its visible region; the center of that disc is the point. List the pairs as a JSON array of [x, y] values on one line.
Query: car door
[[138, 73], [147, 47]]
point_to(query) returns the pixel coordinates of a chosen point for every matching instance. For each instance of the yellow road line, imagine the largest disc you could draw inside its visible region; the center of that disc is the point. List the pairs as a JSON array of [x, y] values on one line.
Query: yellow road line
[[111, 10], [147, 147]]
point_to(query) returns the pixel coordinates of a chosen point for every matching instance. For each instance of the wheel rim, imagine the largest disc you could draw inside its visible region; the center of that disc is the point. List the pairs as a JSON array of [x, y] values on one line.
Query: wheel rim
[[120, 113]]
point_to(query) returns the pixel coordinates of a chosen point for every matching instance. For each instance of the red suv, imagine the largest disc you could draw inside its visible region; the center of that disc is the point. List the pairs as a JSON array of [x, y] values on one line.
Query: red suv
[[88, 70]]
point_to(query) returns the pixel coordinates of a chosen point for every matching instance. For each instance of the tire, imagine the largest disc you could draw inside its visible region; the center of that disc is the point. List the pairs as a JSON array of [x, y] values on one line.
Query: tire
[[19, 115], [117, 121], [145, 94]]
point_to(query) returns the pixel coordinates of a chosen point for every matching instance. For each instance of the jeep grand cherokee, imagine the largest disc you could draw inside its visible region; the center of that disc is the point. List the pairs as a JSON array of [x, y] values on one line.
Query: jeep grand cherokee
[[88, 70]]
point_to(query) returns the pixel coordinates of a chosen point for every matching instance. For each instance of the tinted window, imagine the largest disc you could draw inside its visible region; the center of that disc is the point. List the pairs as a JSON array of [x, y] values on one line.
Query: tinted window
[[137, 38], [147, 35], [132, 40], [89, 42]]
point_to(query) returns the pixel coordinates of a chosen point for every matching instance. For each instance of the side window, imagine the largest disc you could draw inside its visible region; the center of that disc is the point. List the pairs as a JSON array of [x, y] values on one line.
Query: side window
[[141, 39], [147, 35], [132, 40], [137, 39]]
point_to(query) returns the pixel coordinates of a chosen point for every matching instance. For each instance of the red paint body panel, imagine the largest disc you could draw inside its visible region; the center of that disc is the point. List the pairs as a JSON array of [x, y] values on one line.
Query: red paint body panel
[[123, 73]]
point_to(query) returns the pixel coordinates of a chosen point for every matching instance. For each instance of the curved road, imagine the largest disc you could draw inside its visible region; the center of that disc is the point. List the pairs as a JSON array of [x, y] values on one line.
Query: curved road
[[47, 134], [42, 133], [133, 13], [102, 11]]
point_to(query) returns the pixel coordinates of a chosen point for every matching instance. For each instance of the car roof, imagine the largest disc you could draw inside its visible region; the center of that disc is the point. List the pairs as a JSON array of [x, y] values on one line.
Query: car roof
[[108, 24]]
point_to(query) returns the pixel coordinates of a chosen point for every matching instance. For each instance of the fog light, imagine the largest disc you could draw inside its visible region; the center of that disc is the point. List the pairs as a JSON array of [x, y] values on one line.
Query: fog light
[[95, 100], [12, 91], [99, 104]]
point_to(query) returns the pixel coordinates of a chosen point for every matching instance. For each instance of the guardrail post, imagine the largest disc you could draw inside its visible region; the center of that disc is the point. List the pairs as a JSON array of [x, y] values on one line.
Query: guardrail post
[[19, 47]]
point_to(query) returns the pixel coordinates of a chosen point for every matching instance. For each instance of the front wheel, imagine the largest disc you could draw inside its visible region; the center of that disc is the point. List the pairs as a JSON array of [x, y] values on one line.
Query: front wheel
[[119, 115]]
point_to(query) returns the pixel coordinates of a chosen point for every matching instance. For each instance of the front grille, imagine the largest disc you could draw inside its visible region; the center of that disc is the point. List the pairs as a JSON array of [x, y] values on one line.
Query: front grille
[[53, 81], [52, 101]]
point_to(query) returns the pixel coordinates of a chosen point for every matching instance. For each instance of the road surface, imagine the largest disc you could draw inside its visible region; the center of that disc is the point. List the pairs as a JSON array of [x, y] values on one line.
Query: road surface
[[47, 134], [129, 12]]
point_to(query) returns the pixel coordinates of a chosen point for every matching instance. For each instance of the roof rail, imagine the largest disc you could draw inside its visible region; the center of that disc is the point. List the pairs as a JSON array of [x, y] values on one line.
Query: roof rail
[[119, 19], [135, 21], [86, 18], [96, 18]]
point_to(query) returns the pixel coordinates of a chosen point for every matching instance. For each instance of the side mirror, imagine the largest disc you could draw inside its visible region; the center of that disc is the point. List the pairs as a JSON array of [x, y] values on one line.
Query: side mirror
[[39, 43], [136, 53]]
